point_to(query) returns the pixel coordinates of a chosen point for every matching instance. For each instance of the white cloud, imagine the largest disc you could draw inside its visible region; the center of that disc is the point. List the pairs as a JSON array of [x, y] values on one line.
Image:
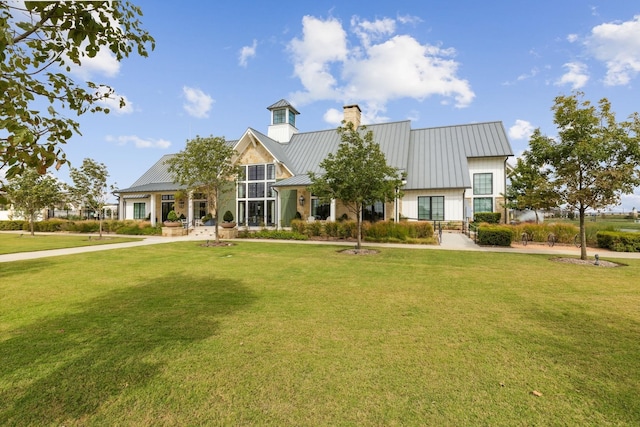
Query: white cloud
[[380, 68], [247, 52], [409, 19], [618, 46], [139, 142], [577, 75], [572, 38], [198, 103], [522, 129], [333, 117], [104, 64]]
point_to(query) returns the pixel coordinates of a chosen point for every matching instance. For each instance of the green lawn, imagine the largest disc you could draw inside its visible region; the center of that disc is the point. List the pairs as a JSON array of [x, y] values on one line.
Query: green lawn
[[291, 334], [25, 242]]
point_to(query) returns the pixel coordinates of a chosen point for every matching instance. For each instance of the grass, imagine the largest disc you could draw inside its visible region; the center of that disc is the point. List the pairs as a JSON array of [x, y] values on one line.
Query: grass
[[290, 334], [24, 242]]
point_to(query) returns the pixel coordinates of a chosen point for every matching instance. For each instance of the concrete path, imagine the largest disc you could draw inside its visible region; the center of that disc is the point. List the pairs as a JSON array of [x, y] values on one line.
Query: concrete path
[[450, 241]]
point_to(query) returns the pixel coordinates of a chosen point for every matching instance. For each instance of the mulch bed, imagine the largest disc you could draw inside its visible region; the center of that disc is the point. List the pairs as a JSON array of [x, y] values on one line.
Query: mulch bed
[[591, 262]]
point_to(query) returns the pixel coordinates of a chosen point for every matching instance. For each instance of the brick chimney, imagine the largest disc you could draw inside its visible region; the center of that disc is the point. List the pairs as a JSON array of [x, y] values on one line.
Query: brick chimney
[[352, 113]]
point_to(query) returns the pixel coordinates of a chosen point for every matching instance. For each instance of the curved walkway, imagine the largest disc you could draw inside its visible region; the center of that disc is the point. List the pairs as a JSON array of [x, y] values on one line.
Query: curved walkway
[[450, 241]]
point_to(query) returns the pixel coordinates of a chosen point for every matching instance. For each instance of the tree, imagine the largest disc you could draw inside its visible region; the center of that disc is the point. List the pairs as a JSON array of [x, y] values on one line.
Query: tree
[[31, 192], [90, 188], [530, 187], [357, 174], [206, 165], [39, 43], [594, 159]]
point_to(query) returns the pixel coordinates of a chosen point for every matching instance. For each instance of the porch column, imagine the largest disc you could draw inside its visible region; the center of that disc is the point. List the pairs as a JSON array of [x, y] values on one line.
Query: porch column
[[278, 205], [332, 210], [153, 209], [190, 209], [122, 213]]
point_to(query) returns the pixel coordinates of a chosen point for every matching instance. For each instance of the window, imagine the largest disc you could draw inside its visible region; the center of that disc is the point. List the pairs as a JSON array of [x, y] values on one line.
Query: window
[[482, 204], [320, 211], [256, 173], [374, 212], [431, 208], [271, 171], [482, 183], [256, 196], [138, 211], [292, 118], [279, 116], [256, 190], [168, 197]]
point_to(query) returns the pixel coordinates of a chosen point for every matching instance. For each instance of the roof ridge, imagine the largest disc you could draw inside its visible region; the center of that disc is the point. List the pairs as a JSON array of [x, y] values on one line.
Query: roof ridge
[[460, 125]]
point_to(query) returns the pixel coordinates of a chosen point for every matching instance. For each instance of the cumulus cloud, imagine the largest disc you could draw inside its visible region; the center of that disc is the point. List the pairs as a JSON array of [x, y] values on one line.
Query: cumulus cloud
[[104, 64], [522, 129], [139, 142], [198, 103], [572, 38], [247, 52], [618, 46], [374, 67], [576, 75]]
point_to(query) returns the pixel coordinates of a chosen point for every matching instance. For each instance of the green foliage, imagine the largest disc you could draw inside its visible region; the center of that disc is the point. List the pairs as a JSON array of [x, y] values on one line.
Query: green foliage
[[273, 234], [206, 165], [594, 159], [357, 174], [380, 231], [495, 235], [488, 217], [113, 226], [89, 188], [40, 42], [530, 185], [31, 192], [227, 217], [619, 241], [172, 216]]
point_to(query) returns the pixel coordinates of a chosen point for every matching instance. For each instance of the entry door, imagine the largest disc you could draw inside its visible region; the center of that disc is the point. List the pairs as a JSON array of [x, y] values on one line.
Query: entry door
[[256, 213]]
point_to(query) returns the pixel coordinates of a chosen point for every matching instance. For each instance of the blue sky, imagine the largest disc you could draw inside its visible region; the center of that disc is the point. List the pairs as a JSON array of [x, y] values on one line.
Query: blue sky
[[218, 65]]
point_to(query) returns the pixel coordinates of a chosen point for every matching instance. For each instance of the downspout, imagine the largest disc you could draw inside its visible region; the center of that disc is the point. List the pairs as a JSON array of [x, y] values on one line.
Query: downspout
[[505, 190]]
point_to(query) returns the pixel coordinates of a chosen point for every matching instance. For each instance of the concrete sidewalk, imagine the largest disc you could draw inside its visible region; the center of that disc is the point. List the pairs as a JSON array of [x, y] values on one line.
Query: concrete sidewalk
[[450, 241]]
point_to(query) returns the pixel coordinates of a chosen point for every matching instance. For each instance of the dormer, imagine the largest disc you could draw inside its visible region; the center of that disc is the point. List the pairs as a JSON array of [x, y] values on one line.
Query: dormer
[[283, 121]]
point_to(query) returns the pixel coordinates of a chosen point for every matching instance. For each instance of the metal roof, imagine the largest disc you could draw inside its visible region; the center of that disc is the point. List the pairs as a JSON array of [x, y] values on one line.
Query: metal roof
[[283, 103], [431, 157]]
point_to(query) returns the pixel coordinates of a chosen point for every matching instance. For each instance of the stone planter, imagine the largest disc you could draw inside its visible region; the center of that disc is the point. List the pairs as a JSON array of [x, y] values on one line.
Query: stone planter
[[227, 224], [172, 224], [173, 231]]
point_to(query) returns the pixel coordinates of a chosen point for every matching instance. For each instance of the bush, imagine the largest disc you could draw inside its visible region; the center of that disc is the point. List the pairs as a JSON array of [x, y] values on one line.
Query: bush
[[13, 225], [273, 234], [227, 217], [619, 241], [493, 235], [488, 217]]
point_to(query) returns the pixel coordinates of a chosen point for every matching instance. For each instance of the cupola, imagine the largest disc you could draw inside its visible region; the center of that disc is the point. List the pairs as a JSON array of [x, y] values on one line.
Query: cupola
[[283, 121]]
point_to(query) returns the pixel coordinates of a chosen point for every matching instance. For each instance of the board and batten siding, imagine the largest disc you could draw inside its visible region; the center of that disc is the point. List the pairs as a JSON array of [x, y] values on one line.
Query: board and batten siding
[[494, 165], [453, 203]]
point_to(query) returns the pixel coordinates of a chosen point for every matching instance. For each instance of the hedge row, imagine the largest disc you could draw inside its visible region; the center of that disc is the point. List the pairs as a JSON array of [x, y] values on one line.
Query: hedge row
[[540, 232], [495, 235], [619, 241], [272, 234], [488, 217], [380, 231], [90, 226]]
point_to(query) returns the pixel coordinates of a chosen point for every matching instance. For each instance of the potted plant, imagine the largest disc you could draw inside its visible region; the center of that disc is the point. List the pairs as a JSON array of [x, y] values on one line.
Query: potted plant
[[173, 220], [208, 220], [228, 220]]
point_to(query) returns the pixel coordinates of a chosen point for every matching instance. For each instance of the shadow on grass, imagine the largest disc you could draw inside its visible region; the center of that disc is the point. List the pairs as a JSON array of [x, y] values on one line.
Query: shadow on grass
[[65, 367]]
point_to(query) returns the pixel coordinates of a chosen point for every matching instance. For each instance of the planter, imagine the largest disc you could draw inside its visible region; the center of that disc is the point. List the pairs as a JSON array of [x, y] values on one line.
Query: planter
[[227, 224], [172, 224]]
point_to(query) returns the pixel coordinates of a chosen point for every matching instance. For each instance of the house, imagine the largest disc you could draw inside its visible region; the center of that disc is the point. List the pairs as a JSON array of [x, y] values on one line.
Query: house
[[451, 172]]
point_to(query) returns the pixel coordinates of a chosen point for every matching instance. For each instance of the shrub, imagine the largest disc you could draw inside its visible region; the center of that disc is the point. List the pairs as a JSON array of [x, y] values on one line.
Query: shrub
[[619, 241], [493, 235], [331, 229], [298, 226], [488, 217], [314, 228], [227, 217], [13, 225], [273, 234]]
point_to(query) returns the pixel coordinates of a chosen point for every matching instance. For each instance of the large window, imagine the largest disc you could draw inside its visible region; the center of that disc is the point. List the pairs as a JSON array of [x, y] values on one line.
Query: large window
[[292, 118], [319, 210], [482, 183], [431, 208], [482, 204], [139, 211], [256, 197], [374, 212]]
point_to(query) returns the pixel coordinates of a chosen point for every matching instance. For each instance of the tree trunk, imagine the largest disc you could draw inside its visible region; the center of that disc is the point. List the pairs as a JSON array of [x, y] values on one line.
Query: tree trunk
[[100, 222], [583, 235], [359, 226], [31, 224], [215, 214]]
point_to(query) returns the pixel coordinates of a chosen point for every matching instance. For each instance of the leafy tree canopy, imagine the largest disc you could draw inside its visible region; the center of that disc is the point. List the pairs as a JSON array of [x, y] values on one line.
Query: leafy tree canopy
[[593, 160], [31, 192], [357, 174], [40, 41], [90, 188], [206, 165]]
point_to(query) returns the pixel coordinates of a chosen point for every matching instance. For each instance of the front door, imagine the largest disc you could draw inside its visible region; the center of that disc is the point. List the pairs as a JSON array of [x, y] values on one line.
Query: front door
[[256, 213]]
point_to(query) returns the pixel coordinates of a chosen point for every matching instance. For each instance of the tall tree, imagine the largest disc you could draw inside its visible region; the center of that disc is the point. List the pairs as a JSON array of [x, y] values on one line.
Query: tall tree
[[529, 184], [357, 174], [594, 159], [90, 188], [40, 42], [31, 192], [206, 165]]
